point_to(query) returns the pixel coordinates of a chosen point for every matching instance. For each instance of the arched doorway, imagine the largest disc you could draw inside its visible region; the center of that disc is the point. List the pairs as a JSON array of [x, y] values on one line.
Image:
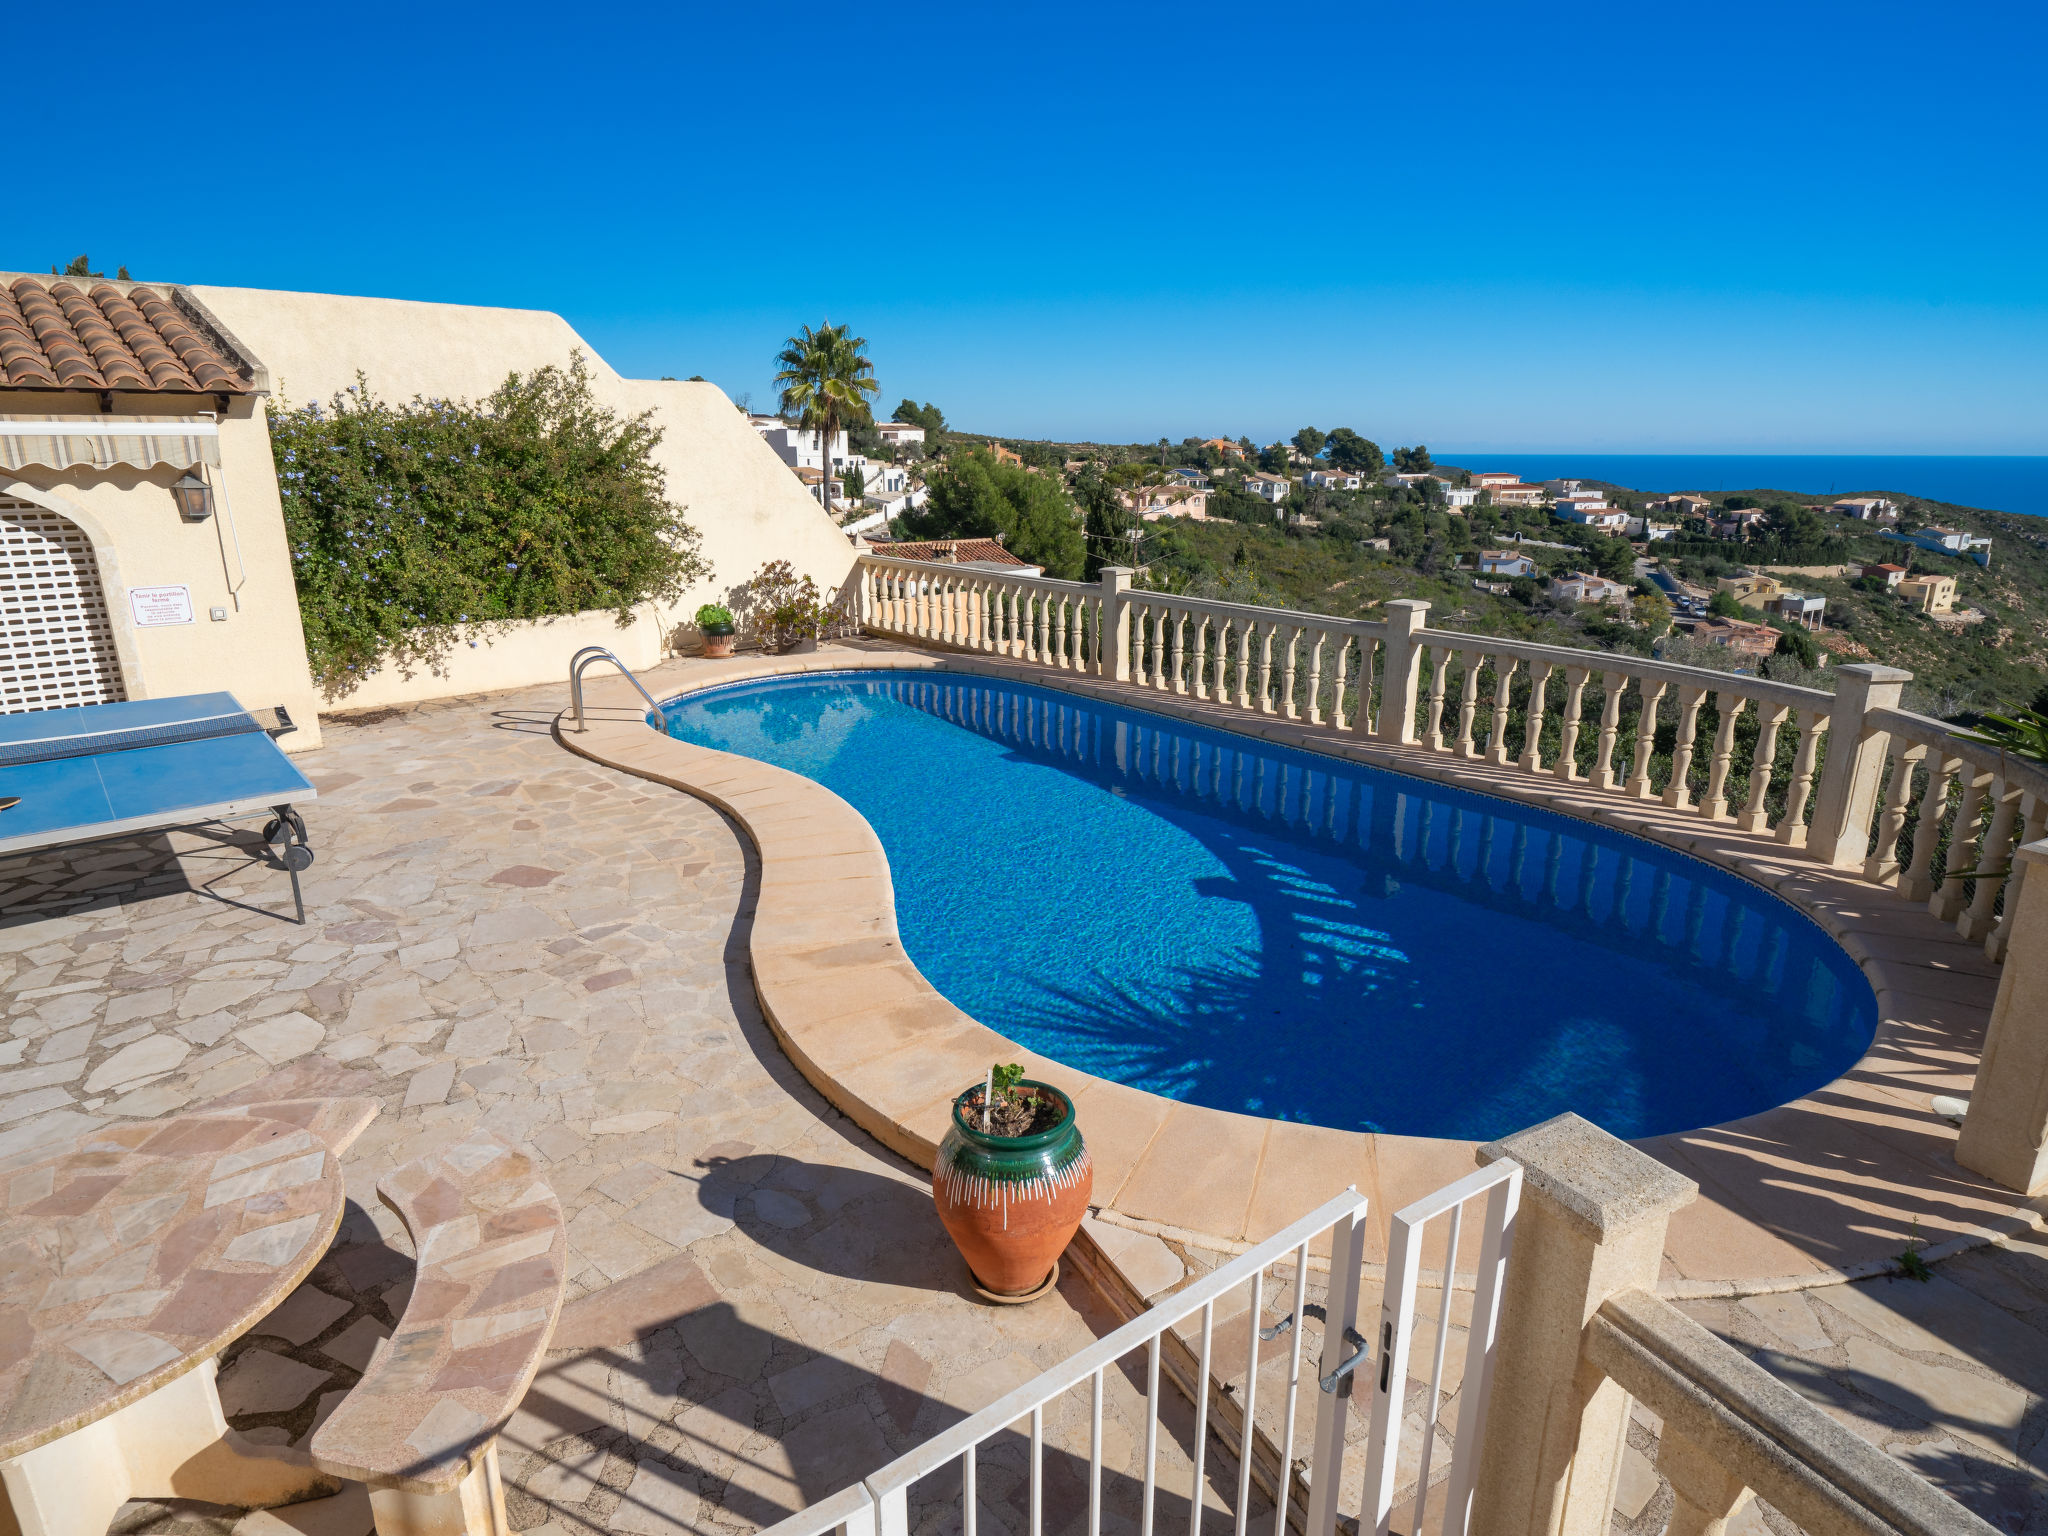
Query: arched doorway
[[56, 642]]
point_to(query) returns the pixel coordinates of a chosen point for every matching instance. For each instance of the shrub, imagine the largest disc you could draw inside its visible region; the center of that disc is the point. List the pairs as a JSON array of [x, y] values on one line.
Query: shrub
[[417, 525]]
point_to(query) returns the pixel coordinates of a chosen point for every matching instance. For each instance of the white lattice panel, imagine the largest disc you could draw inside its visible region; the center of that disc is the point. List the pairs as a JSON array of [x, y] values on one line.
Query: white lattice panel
[[56, 645]]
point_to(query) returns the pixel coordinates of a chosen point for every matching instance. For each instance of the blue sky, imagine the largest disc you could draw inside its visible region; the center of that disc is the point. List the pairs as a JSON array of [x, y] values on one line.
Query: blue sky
[[1742, 228]]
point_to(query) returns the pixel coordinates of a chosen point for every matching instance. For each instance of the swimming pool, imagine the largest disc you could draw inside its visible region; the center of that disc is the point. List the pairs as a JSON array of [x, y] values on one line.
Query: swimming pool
[[1255, 928]]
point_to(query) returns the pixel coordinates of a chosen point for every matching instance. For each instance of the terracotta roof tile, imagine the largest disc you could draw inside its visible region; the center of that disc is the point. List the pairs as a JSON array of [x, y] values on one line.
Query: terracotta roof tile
[[59, 334], [949, 551]]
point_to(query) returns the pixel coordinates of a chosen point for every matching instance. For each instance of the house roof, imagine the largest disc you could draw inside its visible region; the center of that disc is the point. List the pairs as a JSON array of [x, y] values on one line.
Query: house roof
[[56, 333], [950, 551]]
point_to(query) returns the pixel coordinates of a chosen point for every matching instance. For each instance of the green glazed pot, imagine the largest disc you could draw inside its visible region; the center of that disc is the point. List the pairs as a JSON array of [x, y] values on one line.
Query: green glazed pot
[[1011, 1204]]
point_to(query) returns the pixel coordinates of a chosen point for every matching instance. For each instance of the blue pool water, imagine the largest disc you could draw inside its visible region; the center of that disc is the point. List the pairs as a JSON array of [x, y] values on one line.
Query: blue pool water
[[1260, 929]]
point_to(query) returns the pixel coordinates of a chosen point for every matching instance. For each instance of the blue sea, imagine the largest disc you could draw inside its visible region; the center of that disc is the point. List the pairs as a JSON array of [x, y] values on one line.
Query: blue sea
[[2001, 483]]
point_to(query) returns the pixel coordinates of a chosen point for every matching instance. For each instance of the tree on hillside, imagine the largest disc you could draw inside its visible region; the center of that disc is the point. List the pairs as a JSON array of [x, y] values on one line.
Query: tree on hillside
[[1350, 451], [1310, 441], [1723, 605], [1791, 524], [974, 497], [1273, 459], [928, 416], [1413, 461], [825, 378], [1108, 524]]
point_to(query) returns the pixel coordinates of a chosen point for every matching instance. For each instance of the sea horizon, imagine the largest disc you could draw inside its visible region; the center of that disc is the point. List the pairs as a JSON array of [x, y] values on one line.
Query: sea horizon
[[1990, 482]]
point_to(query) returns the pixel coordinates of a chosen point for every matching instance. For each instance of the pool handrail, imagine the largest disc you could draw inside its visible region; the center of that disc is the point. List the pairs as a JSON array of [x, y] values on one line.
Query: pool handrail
[[588, 656]]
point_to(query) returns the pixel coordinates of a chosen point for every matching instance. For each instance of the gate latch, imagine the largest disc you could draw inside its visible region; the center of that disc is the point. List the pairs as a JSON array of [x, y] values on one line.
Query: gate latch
[[1349, 1363]]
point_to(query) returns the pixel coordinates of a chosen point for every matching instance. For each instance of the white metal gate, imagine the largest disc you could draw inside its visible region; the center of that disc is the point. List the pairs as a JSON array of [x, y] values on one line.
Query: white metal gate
[[56, 643]]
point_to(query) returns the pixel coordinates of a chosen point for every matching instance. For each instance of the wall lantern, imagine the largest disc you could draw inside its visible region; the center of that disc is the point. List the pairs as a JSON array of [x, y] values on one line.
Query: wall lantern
[[195, 498]]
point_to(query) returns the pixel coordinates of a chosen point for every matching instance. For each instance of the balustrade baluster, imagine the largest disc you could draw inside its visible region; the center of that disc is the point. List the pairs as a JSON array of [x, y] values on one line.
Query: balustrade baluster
[[1947, 901], [1497, 722], [1883, 863], [1994, 857], [1568, 745], [1755, 815], [1646, 739], [1244, 663], [1362, 720], [1287, 705], [1439, 666], [1266, 667], [1468, 702], [1339, 720], [1315, 679], [1060, 657], [1792, 825], [2034, 827], [1613, 685], [1532, 728], [1678, 793], [1715, 806], [1918, 883], [1198, 658], [1178, 620]]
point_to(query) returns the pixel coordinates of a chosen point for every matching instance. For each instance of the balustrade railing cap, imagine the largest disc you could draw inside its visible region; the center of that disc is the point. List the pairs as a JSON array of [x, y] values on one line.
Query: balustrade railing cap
[[1599, 1181], [1877, 673], [2033, 853]]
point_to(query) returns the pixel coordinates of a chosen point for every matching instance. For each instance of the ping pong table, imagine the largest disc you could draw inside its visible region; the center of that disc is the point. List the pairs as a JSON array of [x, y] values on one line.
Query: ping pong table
[[100, 772]]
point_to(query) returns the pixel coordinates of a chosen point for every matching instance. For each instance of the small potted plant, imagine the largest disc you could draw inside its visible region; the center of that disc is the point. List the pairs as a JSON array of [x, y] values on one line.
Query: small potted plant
[[715, 621], [1012, 1182], [788, 609]]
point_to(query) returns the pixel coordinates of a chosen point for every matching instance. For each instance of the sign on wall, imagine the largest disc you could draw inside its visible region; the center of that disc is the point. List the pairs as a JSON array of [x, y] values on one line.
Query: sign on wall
[[160, 605]]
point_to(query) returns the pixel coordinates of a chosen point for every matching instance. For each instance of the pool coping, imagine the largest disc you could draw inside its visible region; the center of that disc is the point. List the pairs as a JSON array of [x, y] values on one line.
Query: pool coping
[[1826, 1188]]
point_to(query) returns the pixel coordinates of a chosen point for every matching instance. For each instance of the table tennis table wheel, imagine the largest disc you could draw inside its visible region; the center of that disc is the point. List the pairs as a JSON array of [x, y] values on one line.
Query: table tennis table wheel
[[298, 857], [271, 828]]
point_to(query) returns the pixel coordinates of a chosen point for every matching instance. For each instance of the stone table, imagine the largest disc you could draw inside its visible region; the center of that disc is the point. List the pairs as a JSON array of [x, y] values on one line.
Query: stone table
[[129, 1259]]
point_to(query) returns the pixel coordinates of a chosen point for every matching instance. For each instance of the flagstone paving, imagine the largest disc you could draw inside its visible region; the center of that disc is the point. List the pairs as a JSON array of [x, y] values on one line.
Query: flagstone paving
[[761, 1307]]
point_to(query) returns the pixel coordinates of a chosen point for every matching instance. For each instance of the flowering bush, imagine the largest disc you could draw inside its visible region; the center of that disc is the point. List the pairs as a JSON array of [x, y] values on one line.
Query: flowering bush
[[783, 607], [413, 527]]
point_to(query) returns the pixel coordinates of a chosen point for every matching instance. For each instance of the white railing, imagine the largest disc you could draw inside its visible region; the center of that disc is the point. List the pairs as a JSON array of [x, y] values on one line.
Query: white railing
[[1500, 1186], [1948, 817], [1304, 1492]]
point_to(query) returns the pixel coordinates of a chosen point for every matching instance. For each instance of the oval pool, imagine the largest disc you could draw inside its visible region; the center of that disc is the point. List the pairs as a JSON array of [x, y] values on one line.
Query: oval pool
[[1256, 928]]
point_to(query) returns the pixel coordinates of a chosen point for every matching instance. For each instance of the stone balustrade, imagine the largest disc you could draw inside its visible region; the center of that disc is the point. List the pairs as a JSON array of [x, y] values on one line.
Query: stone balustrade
[[1582, 1333]]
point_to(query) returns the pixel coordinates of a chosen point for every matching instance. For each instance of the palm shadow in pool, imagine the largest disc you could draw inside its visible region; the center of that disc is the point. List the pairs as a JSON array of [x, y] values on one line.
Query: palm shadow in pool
[[1334, 992]]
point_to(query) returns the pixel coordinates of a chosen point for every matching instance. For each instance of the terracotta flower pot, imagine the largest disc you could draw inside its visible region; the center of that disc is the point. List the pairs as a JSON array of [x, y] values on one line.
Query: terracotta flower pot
[[718, 642], [1011, 1204]]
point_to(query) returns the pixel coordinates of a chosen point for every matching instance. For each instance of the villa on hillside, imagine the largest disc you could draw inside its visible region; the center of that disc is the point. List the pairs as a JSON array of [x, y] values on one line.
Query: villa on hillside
[[1758, 640], [968, 554], [1867, 509], [1329, 478], [898, 433], [1584, 587], [1271, 488], [1946, 541], [1498, 562], [1226, 447], [1152, 502], [1596, 514], [1930, 594]]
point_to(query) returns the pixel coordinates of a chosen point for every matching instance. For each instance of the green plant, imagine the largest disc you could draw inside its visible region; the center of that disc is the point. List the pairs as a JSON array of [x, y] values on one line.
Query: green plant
[[1003, 1080], [2023, 733], [714, 616], [825, 379], [786, 607], [1910, 1261], [413, 526]]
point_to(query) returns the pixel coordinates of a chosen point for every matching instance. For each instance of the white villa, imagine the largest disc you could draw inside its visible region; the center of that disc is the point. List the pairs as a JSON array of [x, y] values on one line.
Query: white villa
[[1271, 488]]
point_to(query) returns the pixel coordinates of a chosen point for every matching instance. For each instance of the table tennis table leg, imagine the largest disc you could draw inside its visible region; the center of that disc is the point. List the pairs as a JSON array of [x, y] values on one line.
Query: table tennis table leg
[[297, 851]]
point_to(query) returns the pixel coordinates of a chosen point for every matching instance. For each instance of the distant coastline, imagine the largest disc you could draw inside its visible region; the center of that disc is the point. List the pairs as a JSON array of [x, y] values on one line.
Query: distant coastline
[[1999, 483]]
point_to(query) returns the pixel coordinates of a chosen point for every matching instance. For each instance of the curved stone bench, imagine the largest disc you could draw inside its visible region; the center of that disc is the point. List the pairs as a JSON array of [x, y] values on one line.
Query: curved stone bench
[[421, 1427]]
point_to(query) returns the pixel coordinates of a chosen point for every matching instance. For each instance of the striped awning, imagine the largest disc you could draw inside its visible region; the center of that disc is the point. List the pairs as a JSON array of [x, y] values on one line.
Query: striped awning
[[100, 442]]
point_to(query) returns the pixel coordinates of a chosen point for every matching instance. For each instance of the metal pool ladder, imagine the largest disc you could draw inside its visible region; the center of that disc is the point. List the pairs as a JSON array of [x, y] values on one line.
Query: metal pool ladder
[[590, 655]]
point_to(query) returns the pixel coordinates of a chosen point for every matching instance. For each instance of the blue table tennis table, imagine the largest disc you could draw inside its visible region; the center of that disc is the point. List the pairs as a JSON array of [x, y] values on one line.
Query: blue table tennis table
[[101, 772]]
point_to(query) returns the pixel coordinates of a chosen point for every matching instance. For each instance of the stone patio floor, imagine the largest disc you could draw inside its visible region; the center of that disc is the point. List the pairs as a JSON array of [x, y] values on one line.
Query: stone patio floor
[[762, 1306]]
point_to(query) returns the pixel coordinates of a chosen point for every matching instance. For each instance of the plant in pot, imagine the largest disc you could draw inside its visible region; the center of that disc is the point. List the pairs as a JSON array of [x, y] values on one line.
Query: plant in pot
[[715, 621], [787, 609], [1012, 1182]]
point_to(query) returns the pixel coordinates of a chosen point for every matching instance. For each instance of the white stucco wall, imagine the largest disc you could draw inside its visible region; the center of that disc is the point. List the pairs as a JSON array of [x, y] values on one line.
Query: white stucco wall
[[237, 560], [534, 651], [744, 501]]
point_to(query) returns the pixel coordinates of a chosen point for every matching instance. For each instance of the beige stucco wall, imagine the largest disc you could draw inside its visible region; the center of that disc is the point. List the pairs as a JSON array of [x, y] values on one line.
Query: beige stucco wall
[[258, 652], [536, 651], [744, 501]]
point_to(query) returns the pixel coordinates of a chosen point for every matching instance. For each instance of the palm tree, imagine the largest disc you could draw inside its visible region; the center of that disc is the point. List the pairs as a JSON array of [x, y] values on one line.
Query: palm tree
[[825, 379]]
